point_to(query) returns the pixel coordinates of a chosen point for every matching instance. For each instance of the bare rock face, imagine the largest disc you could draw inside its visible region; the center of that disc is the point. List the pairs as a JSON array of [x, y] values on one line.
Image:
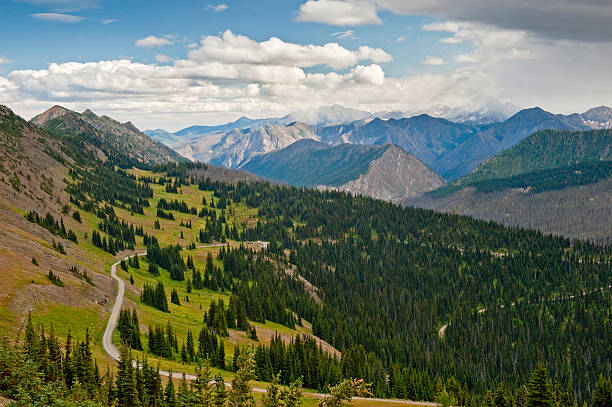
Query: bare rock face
[[232, 148], [394, 176]]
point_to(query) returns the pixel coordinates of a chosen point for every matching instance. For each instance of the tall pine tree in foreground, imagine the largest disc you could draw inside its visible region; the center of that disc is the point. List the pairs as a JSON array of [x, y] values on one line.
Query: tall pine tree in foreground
[[540, 389]]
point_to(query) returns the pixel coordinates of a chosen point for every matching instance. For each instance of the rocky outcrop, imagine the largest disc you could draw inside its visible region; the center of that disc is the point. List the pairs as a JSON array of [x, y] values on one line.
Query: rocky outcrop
[[394, 176]]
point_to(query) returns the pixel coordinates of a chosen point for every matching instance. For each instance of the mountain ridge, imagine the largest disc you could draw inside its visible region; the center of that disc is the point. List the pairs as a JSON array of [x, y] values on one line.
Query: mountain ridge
[[385, 172], [114, 138]]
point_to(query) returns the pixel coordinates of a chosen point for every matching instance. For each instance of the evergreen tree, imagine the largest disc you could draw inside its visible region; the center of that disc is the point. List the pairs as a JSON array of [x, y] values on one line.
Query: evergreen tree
[[231, 313], [136, 343], [68, 372], [127, 394], [345, 391], [174, 298], [240, 393], [190, 346], [169, 394], [220, 396], [540, 390]]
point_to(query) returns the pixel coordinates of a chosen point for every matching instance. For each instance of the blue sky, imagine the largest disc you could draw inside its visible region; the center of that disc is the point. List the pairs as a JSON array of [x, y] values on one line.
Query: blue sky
[[37, 43], [211, 62]]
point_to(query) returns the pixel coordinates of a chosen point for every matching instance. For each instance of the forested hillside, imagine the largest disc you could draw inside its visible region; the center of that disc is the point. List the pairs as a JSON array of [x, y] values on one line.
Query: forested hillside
[[545, 150], [391, 277]]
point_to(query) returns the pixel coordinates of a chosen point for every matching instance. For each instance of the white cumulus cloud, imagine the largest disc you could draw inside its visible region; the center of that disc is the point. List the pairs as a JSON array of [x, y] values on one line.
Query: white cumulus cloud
[[239, 49], [339, 12], [162, 59], [154, 41], [371, 74]]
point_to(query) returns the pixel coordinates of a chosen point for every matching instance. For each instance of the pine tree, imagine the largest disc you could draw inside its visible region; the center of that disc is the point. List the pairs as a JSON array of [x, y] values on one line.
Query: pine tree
[[190, 346], [174, 298], [488, 400], [169, 395], [220, 396], [241, 320], [127, 394], [231, 313], [240, 393], [345, 391], [68, 371], [55, 357], [272, 397], [184, 357], [221, 356], [31, 341], [136, 343], [540, 391], [185, 396]]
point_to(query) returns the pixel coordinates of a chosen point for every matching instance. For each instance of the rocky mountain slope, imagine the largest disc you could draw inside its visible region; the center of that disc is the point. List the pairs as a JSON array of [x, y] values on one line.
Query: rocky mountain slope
[[555, 181], [122, 141], [33, 170], [318, 116], [384, 172], [598, 117], [231, 149]]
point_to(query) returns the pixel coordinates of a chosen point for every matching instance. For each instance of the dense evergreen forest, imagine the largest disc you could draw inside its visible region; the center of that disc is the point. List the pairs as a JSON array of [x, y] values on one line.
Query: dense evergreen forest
[[538, 181], [391, 277], [40, 371]]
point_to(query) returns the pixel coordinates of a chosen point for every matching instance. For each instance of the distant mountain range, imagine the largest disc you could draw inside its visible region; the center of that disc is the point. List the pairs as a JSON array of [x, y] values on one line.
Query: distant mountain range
[[332, 115], [318, 116], [122, 141], [385, 172], [452, 149], [555, 181], [233, 148]]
